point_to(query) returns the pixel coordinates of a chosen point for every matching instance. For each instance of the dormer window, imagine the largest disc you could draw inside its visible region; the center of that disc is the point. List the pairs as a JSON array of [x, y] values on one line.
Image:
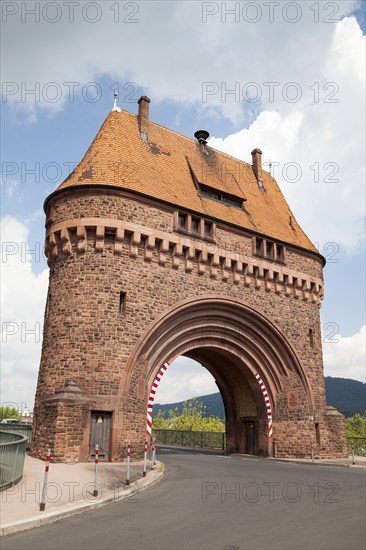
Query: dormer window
[[218, 196], [209, 185]]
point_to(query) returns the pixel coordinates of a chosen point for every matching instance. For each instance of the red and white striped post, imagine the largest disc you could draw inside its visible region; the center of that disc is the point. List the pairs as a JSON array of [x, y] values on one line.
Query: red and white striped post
[[267, 402], [42, 505], [153, 390], [145, 458], [96, 462], [128, 462]]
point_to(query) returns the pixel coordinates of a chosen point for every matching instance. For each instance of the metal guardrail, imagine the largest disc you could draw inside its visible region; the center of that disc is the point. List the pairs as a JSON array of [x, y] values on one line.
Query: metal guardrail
[[359, 445], [186, 438], [12, 455], [22, 428]]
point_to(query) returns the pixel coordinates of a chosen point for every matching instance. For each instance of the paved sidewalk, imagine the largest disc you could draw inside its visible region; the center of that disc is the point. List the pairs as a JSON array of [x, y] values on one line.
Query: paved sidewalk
[[70, 491], [360, 461]]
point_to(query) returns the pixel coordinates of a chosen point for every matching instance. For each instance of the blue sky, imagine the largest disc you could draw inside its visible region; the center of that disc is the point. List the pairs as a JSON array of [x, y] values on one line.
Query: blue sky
[[293, 86]]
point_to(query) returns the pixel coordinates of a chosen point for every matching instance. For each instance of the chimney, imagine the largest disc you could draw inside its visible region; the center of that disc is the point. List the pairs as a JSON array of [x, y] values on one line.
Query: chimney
[[202, 137], [257, 164], [143, 117]]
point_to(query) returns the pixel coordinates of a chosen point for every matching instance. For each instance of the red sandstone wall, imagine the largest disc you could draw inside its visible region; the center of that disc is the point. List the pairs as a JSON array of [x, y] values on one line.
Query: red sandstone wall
[[87, 340]]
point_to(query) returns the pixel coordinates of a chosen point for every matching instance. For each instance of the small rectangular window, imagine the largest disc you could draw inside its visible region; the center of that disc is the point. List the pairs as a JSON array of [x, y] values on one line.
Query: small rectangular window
[[311, 337], [207, 228], [269, 249], [259, 246], [195, 226], [182, 222], [280, 255], [317, 433], [122, 303]]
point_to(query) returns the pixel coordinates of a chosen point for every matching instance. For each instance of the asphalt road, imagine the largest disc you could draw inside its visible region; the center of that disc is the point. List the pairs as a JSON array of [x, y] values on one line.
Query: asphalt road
[[211, 502]]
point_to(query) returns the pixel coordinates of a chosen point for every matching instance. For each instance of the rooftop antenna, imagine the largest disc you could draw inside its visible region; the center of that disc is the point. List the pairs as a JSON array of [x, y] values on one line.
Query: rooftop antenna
[[115, 108], [270, 167]]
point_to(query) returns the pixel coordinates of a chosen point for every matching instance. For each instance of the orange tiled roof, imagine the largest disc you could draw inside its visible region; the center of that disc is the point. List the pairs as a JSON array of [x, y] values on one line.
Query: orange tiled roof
[[162, 169]]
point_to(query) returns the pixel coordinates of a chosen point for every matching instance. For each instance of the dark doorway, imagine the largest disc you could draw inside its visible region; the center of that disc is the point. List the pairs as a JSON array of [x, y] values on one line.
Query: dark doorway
[[251, 437], [100, 430]]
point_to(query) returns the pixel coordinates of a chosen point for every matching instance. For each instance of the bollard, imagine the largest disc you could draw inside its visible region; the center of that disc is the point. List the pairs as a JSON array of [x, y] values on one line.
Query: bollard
[[312, 452], [152, 445], [145, 458], [42, 505], [275, 447], [154, 452], [353, 454], [95, 492], [128, 462]]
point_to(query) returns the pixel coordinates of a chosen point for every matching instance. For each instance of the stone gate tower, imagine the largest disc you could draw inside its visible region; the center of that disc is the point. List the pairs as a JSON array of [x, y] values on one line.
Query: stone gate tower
[[160, 246]]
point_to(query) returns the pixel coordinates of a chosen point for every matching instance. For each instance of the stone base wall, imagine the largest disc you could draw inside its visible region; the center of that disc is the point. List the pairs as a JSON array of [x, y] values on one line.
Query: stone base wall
[[296, 439]]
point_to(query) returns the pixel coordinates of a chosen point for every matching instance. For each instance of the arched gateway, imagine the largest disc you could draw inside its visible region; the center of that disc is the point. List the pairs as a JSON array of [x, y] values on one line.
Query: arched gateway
[[160, 246]]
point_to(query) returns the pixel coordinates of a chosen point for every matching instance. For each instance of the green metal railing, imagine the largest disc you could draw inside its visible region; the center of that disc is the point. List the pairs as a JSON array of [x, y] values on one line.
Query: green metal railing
[[186, 438], [359, 445], [12, 454], [23, 429]]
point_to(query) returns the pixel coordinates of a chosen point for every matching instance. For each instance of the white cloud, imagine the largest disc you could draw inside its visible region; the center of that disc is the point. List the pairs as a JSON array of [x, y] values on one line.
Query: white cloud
[[23, 296], [325, 140], [169, 50], [9, 186], [185, 379], [346, 356]]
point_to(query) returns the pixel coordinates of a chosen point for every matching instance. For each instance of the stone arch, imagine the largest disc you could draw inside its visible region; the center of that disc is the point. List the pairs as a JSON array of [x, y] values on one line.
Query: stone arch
[[218, 331]]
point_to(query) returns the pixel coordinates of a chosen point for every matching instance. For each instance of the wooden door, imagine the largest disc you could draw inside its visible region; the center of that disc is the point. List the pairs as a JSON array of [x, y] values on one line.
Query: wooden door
[[100, 431], [251, 438]]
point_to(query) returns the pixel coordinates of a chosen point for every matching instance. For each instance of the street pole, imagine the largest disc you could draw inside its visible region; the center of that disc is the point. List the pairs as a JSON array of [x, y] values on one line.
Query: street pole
[[128, 462], [96, 462], [42, 505]]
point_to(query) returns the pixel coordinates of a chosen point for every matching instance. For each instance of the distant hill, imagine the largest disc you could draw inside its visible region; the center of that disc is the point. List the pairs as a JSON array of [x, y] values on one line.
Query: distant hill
[[213, 402], [346, 395]]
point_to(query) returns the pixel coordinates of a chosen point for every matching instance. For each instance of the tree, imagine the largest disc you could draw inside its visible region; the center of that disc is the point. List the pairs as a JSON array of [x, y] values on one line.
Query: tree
[[356, 425], [192, 418], [9, 412]]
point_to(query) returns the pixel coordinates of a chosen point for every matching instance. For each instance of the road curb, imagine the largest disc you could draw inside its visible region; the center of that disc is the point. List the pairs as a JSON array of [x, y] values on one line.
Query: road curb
[[315, 463], [69, 511]]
